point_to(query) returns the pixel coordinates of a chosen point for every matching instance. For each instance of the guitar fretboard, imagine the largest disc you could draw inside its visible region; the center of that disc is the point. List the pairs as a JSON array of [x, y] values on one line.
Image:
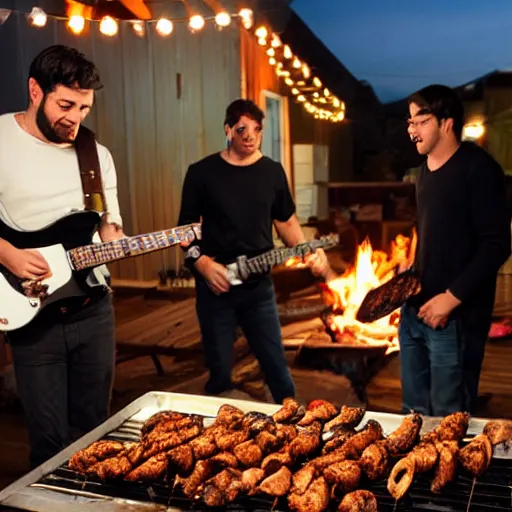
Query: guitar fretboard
[[94, 255]]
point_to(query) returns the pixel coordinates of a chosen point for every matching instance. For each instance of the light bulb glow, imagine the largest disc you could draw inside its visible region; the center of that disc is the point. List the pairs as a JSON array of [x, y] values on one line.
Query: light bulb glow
[[287, 52], [164, 27], [247, 17], [139, 27], [196, 23], [222, 19], [108, 26], [37, 17], [76, 24], [261, 32]]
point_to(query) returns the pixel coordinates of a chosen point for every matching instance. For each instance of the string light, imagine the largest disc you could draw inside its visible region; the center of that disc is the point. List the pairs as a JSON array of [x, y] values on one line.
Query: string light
[[196, 23], [247, 17], [139, 28], [261, 32], [222, 19], [108, 26], [164, 27], [287, 53], [76, 24], [37, 17]]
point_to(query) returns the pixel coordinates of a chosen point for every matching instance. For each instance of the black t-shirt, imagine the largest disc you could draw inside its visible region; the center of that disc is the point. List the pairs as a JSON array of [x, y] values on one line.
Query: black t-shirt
[[237, 205], [463, 228]]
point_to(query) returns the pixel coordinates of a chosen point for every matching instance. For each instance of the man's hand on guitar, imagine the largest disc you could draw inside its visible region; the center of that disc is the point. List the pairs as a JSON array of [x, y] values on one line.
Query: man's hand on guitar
[[26, 263], [109, 231], [319, 265], [214, 273]]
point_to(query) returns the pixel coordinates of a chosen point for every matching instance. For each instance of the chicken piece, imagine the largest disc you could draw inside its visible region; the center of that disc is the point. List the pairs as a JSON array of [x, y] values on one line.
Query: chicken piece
[[228, 440], [289, 411], [324, 411], [93, 454], [348, 418], [453, 427], [134, 453], [320, 463], [275, 461], [344, 476], [359, 501], [401, 477], [256, 422], [230, 417], [375, 461], [249, 454], [302, 478], [498, 431], [152, 469], [250, 479], [181, 459], [277, 484], [339, 438], [446, 466], [405, 436], [204, 446], [369, 434], [112, 468], [172, 426], [161, 417], [306, 442], [314, 499], [267, 442], [203, 470], [170, 440], [224, 460], [223, 488], [429, 437], [285, 433], [476, 456]]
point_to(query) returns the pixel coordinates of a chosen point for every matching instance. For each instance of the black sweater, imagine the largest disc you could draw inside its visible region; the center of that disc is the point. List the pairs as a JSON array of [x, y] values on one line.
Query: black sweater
[[463, 228]]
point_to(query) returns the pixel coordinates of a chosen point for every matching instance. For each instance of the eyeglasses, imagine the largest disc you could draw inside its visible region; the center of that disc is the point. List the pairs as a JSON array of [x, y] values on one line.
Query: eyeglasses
[[418, 124]]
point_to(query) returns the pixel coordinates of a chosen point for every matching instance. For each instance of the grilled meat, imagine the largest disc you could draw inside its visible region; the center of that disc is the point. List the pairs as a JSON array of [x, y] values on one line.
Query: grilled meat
[[229, 417], [302, 478], [223, 488], [344, 476], [285, 433], [249, 454], [453, 427], [161, 417], [96, 452], [275, 461], [181, 459], [359, 501], [250, 480], [307, 441], [290, 412], [375, 461], [341, 435], [268, 442], [152, 469], [229, 439], [498, 431], [204, 446], [476, 456], [324, 411], [446, 466], [405, 436], [348, 418], [112, 468], [170, 440], [172, 426], [401, 477], [277, 484], [369, 434], [314, 499], [257, 422]]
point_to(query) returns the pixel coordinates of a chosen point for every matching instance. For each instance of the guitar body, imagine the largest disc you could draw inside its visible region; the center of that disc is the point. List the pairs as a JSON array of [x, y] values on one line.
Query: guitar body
[[75, 230]]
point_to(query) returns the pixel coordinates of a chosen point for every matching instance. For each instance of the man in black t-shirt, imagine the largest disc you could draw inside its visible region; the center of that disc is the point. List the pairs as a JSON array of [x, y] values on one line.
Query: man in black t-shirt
[[239, 195], [464, 238]]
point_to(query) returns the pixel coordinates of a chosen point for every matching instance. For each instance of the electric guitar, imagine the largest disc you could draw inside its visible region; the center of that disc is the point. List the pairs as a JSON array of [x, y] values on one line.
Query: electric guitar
[[67, 247], [240, 270]]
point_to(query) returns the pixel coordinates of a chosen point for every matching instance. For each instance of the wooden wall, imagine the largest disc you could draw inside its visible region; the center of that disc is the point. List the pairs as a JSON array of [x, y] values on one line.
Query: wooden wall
[[153, 132]]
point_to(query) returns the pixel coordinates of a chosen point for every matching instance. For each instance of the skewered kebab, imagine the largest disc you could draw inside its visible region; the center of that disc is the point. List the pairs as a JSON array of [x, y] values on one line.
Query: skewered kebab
[[359, 501]]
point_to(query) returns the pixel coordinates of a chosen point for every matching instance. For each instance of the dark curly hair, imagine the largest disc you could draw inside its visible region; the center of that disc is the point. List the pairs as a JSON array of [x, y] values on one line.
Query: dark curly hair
[[62, 65], [241, 107]]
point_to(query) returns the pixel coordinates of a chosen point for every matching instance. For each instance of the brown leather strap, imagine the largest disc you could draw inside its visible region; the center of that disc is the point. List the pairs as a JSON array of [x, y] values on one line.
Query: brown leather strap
[[90, 170]]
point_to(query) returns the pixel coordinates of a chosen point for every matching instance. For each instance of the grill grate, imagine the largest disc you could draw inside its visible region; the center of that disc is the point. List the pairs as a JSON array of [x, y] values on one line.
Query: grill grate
[[491, 492]]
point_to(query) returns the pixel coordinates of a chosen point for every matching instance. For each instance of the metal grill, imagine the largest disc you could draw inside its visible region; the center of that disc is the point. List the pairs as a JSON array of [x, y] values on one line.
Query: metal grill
[[491, 492]]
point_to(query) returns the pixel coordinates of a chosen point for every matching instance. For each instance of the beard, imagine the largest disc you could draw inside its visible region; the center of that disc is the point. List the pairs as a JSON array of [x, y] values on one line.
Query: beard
[[52, 134]]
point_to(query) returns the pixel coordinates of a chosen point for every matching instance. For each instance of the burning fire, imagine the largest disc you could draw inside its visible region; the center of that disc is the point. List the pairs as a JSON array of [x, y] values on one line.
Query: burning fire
[[346, 293]]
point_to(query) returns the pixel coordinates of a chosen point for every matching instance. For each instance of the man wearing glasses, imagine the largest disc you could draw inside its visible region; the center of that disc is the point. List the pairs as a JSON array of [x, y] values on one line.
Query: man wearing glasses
[[464, 238], [239, 194]]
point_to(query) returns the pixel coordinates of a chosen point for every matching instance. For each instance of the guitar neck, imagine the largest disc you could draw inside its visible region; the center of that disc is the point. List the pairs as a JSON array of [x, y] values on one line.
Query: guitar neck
[[94, 255]]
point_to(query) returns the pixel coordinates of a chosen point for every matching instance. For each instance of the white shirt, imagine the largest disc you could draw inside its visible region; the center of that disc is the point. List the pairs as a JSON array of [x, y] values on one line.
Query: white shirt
[[40, 182]]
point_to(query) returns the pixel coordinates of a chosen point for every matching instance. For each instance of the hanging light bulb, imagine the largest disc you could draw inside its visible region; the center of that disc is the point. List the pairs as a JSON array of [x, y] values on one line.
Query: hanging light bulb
[[4, 14], [295, 91], [276, 42], [138, 27], [272, 61], [301, 97], [271, 52], [261, 32], [287, 52], [196, 23], [262, 41], [164, 27], [296, 63], [37, 17], [288, 81], [247, 17], [327, 92], [108, 26], [306, 73], [222, 19], [76, 24], [317, 82], [340, 116], [336, 103]]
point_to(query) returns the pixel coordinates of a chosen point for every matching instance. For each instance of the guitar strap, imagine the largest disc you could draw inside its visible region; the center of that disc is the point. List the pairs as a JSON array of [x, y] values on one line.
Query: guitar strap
[[90, 170]]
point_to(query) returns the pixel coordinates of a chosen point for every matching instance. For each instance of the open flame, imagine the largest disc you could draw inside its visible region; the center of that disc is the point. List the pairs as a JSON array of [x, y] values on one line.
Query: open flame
[[346, 293]]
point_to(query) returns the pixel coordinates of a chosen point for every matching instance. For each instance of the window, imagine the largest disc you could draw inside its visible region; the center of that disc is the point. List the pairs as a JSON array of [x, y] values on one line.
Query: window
[[272, 144]]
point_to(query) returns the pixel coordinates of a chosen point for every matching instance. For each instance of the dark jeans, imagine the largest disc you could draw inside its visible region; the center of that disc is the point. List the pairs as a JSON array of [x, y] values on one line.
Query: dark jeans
[[64, 369], [440, 368], [253, 307]]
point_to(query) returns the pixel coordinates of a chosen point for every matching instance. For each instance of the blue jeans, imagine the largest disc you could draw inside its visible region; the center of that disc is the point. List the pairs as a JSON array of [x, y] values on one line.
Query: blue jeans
[[253, 307], [440, 368]]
